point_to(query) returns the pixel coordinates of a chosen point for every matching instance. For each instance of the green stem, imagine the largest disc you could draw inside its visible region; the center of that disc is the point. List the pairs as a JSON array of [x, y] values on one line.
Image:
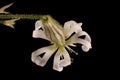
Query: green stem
[[21, 16]]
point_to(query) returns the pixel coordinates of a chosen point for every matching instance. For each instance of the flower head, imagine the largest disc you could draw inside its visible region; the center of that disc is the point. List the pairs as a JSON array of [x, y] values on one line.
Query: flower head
[[60, 37]]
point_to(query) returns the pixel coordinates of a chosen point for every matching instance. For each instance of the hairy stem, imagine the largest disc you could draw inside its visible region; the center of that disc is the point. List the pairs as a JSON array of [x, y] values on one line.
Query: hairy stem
[[21, 16]]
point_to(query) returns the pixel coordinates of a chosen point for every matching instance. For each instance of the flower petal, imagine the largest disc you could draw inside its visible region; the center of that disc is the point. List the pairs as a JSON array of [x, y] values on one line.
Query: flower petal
[[38, 24], [71, 27], [38, 32], [86, 43], [60, 63], [41, 61]]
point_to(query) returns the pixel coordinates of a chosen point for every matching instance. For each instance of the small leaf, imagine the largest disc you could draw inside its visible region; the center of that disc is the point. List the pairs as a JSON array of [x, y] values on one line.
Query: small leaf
[[10, 23], [2, 9]]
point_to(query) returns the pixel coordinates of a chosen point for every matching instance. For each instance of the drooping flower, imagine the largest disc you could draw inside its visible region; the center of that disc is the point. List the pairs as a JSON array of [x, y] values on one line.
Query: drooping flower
[[60, 38]]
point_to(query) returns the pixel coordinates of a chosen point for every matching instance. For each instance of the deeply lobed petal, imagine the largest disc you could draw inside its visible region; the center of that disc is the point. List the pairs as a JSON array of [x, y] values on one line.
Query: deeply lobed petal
[[86, 43], [38, 32], [48, 51], [61, 59], [71, 27]]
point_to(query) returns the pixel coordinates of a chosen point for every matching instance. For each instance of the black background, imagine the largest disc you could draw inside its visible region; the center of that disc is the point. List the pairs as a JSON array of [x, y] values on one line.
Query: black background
[[17, 45]]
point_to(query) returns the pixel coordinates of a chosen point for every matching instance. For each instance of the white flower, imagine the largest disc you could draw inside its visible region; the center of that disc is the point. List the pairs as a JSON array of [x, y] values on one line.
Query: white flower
[[60, 37]]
